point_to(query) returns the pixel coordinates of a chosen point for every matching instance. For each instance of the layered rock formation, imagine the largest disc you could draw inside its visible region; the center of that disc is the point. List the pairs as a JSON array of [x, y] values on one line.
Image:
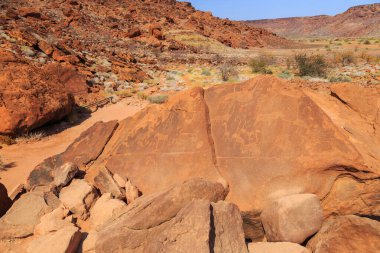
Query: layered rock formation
[[358, 21], [293, 159], [265, 138]]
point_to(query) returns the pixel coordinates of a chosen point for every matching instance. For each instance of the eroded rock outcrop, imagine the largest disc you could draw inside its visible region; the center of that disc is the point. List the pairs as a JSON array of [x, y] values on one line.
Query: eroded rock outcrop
[[31, 96], [179, 219], [347, 234], [266, 138]]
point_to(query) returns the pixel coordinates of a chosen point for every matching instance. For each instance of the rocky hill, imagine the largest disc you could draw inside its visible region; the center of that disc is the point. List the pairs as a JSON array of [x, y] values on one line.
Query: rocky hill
[[358, 21], [108, 43]]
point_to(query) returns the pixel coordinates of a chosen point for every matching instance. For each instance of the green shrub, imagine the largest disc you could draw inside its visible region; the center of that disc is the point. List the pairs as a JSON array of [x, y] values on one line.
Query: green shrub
[[259, 66], [227, 71], [142, 95], [158, 99], [367, 42], [205, 72], [314, 65], [284, 74]]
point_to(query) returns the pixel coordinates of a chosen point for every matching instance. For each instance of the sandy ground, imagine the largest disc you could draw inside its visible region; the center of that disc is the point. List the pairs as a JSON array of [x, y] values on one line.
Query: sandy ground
[[24, 157]]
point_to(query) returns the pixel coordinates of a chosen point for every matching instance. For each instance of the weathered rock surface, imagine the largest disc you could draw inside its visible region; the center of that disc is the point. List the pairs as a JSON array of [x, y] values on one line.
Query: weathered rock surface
[[249, 135], [86, 148], [170, 143], [53, 221], [106, 184], [25, 214], [5, 201], [293, 218], [31, 97], [78, 197], [104, 209], [90, 144], [347, 234], [65, 240], [180, 219], [276, 247], [131, 192]]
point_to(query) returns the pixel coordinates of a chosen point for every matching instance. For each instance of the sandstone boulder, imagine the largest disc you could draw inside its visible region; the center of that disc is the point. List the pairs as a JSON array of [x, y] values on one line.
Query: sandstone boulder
[[249, 135], [52, 171], [65, 240], [106, 184], [5, 201], [293, 218], [78, 197], [276, 247], [31, 97], [347, 234], [143, 225], [198, 227], [53, 221], [25, 214], [104, 209], [63, 175]]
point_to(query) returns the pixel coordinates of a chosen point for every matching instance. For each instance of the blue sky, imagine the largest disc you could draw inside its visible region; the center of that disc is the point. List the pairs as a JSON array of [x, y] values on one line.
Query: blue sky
[[260, 9]]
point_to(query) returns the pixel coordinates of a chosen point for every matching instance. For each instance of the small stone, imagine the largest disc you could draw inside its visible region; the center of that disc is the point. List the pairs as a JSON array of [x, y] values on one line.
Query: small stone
[[104, 208], [106, 184], [63, 175], [131, 192], [78, 197]]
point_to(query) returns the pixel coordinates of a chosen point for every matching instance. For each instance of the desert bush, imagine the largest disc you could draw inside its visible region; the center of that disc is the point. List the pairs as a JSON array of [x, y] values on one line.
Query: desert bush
[[260, 65], [7, 140], [367, 42], [314, 65], [125, 93], [227, 71], [285, 74], [344, 58], [31, 137], [340, 79], [158, 99], [142, 95]]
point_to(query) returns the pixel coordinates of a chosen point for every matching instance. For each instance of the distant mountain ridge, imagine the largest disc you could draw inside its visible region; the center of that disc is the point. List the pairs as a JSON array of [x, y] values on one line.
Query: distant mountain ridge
[[357, 21]]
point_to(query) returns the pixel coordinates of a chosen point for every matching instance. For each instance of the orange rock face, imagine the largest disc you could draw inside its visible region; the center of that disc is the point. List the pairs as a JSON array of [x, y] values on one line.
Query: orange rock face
[[30, 97], [264, 139]]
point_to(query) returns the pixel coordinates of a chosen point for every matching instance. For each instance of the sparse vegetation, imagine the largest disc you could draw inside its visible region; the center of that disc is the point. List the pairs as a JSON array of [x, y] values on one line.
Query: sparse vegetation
[[340, 79], [260, 66], [227, 71], [367, 42], [158, 99], [205, 72], [2, 165], [31, 137], [344, 58], [314, 65], [142, 95]]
